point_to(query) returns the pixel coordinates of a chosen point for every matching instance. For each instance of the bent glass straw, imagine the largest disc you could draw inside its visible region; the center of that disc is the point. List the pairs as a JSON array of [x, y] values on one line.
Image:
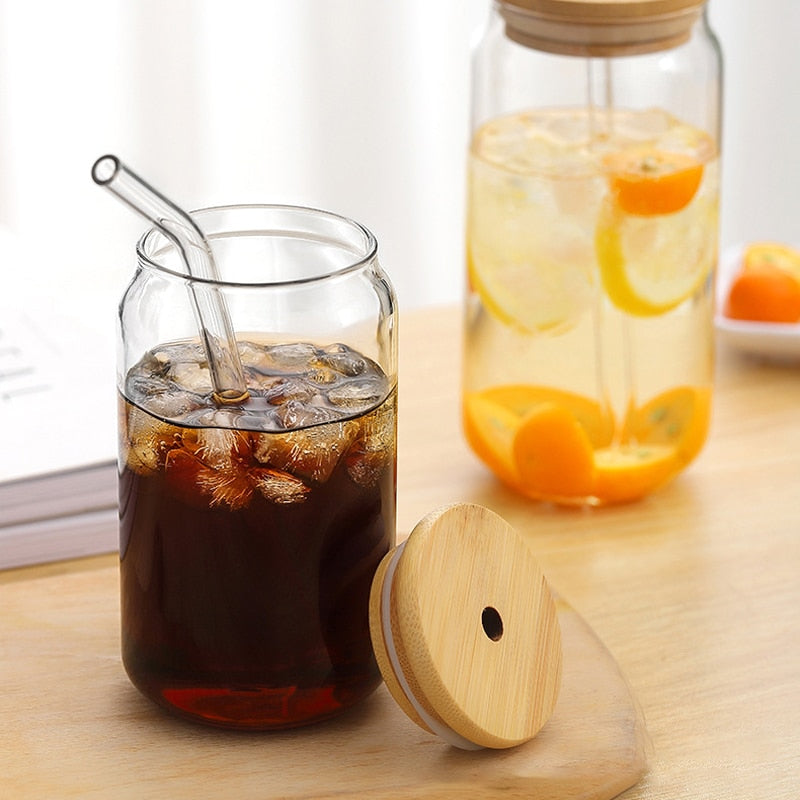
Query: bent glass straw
[[216, 331]]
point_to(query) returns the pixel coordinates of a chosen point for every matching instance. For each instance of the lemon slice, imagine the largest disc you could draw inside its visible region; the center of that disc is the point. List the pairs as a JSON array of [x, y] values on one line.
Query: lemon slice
[[530, 257], [528, 291], [651, 264]]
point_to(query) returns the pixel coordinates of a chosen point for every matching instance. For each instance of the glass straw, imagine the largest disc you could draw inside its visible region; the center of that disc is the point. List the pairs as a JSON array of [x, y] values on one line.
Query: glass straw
[[600, 103], [216, 331]]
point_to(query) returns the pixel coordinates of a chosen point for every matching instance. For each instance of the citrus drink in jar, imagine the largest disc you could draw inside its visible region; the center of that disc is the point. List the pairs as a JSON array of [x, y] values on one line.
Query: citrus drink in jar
[[591, 248]]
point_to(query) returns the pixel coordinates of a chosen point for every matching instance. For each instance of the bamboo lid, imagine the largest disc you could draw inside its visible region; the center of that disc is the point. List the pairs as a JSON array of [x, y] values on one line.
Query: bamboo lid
[[465, 630], [600, 27]]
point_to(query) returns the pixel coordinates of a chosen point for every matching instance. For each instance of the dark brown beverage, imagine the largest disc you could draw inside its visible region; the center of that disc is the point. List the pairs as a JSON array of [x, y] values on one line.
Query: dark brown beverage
[[249, 536]]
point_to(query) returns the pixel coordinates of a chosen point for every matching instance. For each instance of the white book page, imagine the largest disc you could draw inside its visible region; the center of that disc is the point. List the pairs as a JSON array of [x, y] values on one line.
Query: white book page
[[57, 368], [57, 394]]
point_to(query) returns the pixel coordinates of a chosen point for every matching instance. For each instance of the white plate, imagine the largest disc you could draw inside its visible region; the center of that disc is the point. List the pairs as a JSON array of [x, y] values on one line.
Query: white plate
[[774, 340]]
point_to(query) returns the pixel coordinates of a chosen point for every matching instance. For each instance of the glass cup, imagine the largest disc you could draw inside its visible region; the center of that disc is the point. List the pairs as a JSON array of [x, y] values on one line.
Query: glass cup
[[250, 531]]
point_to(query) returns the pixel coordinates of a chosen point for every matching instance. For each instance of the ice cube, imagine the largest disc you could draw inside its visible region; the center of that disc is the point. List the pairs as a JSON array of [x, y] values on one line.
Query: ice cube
[[219, 446], [201, 486], [373, 449], [311, 453], [179, 353], [575, 198], [262, 444], [213, 417], [280, 487], [341, 358], [191, 376], [365, 467], [145, 441], [173, 405], [322, 375], [358, 394], [229, 485], [159, 395], [289, 357], [253, 355], [140, 386], [261, 382], [289, 388], [158, 362], [294, 414]]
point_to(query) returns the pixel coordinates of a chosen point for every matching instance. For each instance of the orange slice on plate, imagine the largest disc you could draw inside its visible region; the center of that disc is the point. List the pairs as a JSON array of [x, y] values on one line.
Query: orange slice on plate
[[772, 254], [763, 293]]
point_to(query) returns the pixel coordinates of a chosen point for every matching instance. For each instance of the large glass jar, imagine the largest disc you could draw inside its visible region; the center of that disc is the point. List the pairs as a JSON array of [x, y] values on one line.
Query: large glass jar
[[592, 237], [251, 527]]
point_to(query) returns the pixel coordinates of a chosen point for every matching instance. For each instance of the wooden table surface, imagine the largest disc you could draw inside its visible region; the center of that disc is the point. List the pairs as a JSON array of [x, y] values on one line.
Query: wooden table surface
[[695, 591]]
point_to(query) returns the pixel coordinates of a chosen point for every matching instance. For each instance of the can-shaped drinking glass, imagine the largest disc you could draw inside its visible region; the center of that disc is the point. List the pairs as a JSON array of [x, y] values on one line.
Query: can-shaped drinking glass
[[250, 530]]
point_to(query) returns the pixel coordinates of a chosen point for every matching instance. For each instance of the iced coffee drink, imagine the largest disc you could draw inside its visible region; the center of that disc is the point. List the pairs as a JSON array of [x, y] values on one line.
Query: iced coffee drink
[[250, 533]]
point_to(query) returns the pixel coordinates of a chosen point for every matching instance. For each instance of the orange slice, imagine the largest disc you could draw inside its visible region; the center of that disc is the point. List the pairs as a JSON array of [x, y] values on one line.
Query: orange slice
[[521, 399], [772, 254], [555, 445], [655, 240], [625, 474], [537, 439], [678, 418], [764, 293], [647, 181], [664, 435], [553, 454], [490, 429]]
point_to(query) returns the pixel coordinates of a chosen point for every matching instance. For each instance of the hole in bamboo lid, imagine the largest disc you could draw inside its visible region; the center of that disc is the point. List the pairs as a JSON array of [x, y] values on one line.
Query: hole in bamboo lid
[[492, 623]]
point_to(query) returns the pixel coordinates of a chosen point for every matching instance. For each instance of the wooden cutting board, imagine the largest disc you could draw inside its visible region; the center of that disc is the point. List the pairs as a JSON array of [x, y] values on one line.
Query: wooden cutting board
[[73, 726]]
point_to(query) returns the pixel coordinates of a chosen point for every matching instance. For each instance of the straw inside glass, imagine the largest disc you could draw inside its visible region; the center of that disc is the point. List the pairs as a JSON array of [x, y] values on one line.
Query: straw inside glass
[[211, 312]]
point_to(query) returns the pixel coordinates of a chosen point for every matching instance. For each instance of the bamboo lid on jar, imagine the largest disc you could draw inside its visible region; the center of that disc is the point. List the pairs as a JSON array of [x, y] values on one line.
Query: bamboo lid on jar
[[465, 630], [600, 27]]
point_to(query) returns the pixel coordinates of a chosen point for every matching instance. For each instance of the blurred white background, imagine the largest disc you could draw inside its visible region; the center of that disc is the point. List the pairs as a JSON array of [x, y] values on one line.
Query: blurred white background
[[358, 106]]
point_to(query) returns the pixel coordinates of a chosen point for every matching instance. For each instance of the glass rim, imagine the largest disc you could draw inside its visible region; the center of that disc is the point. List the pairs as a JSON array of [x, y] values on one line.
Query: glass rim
[[371, 247]]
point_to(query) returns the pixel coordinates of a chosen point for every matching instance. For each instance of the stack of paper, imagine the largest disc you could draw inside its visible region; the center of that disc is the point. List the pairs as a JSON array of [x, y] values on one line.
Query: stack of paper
[[58, 495]]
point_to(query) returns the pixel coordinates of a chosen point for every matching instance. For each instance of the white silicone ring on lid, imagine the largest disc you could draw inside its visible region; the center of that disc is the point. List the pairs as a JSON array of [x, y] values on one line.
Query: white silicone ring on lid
[[442, 731]]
